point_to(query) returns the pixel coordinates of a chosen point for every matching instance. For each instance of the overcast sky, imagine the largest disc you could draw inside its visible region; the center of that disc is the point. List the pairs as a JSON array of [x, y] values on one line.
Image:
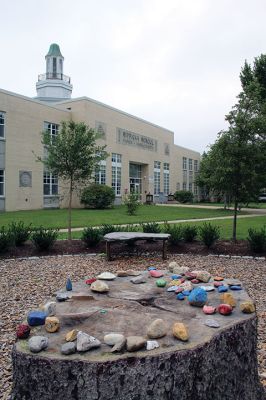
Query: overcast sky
[[175, 63]]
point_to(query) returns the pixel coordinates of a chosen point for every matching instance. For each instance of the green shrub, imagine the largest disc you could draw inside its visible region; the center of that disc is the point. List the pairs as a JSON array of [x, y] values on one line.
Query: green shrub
[[257, 240], [43, 238], [97, 196], [20, 232], [151, 227], [6, 240], [91, 236], [128, 228], [183, 196], [131, 202], [209, 233], [108, 228], [189, 233], [175, 231]]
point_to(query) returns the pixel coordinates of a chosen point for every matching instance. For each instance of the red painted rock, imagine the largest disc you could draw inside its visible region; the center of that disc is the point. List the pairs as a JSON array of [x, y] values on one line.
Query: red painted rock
[[194, 281], [225, 309], [190, 275], [218, 278], [90, 281], [23, 331], [217, 284], [182, 280], [156, 274], [179, 290], [209, 310]]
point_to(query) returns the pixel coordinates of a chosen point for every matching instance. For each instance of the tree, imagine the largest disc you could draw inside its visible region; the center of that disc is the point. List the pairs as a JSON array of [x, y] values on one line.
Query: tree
[[72, 155], [235, 164]]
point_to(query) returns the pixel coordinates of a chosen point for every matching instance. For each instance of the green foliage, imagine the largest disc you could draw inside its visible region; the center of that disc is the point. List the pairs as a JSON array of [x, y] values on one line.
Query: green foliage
[[183, 196], [209, 234], [20, 232], [97, 196], [189, 233], [257, 240], [132, 203], [44, 239], [108, 228], [91, 236], [175, 231], [151, 227], [6, 240]]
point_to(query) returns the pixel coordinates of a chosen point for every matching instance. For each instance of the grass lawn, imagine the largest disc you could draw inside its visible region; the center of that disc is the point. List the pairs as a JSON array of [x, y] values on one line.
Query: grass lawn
[[116, 215], [250, 205], [243, 225]]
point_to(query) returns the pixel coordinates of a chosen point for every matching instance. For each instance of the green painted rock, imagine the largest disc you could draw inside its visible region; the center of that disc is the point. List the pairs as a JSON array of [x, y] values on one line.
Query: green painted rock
[[161, 283]]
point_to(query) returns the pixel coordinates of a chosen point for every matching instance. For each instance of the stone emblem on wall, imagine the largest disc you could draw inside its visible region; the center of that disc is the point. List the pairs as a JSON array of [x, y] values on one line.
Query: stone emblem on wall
[[25, 178], [166, 149], [100, 128]]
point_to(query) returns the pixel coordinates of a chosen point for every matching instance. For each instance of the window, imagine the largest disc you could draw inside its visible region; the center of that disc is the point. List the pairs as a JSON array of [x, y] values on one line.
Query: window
[[195, 190], [100, 173], [190, 187], [2, 182], [184, 186], [50, 184], [166, 169], [184, 176], [190, 164], [196, 165], [52, 129], [2, 124], [157, 177], [116, 173], [190, 176], [184, 163]]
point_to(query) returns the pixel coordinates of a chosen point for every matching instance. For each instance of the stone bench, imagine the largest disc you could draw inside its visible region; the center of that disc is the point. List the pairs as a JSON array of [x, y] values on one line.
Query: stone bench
[[127, 237]]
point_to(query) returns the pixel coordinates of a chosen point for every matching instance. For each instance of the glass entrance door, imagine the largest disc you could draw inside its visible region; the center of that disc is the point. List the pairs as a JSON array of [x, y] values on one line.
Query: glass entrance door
[[135, 185]]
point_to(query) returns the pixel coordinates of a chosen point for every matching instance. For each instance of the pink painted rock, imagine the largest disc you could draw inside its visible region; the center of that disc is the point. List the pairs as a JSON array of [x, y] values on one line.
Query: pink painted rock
[[190, 275], [23, 331], [217, 284], [90, 281], [194, 281], [209, 310], [225, 309], [179, 290], [156, 274]]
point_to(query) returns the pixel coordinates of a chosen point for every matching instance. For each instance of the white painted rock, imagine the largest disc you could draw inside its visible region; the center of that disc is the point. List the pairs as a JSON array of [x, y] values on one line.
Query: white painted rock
[[187, 285], [50, 308], [38, 343], [99, 287], [113, 338], [107, 276], [86, 342], [207, 288], [180, 270], [152, 344], [203, 276]]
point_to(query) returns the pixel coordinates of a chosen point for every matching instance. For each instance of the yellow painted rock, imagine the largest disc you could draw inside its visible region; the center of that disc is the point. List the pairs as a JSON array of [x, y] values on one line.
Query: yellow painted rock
[[247, 307], [174, 282], [71, 335], [180, 331], [228, 298], [52, 324]]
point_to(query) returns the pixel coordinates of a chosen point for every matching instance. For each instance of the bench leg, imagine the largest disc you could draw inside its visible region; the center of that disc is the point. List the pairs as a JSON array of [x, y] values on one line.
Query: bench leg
[[164, 250], [108, 251]]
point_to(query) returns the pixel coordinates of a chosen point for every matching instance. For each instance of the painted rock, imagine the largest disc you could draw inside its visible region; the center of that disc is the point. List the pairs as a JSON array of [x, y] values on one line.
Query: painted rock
[[138, 279], [212, 323], [113, 338], [68, 348], [86, 342], [179, 289], [50, 308], [180, 270], [198, 297], [174, 277], [90, 281], [217, 284], [175, 282], [207, 288], [52, 324], [228, 298], [107, 276], [68, 284], [38, 343], [23, 331], [195, 281], [224, 309], [156, 274], [190, 275], [151, 269], [131, 272], [161, 283], [119, 346], [71, 335], [208, 310], [152, 344], [180, 331], [218, 278], [222, 289], [157, 329], [203, 276], [135, 343], [36, 318], [247, 307], [172, 265], [100, 287], [180, 296], [235, 287], [186, 292], [173, 289], [233, 282], [186, 285], [61, 296]]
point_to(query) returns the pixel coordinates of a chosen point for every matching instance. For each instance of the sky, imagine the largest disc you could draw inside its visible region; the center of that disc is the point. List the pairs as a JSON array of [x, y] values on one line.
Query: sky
[[175, 63]]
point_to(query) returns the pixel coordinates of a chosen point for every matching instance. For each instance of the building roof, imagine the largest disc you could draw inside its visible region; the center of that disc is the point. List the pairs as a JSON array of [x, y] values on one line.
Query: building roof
[[54, 50]]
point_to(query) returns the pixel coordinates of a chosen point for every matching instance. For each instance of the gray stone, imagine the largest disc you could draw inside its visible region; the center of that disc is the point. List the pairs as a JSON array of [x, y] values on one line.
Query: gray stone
[[107, 276], [113, 338], [212, 323], [152, 344], [61, 296], [180, 270], [135, 343], [38, 343], [68, 348], [86, 342], [50, 308], [119, 346], [139, 279], [157, 329], [100, 287]]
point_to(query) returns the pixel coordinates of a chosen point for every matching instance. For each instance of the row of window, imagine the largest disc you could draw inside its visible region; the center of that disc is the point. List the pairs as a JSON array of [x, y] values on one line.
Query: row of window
[[2, 124], [188, 162], [190, 187]]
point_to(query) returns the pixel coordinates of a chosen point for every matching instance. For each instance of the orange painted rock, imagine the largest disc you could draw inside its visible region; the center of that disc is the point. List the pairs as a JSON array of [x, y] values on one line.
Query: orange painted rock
[[225, 309], [228, 298], [218, 278], [180, 331], [247, 307]]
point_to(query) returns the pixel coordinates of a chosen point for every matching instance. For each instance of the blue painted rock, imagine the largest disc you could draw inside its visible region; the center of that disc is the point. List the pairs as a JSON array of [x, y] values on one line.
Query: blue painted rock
[[222, 289], [186, 292], [68, 284], [180, 296], [175, 276], [198, 297], [151, 269], [36, 318], [235, 287]]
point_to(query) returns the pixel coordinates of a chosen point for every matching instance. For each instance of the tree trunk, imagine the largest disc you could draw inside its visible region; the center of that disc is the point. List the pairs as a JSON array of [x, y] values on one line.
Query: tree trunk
[[235, 220], [69, 210]]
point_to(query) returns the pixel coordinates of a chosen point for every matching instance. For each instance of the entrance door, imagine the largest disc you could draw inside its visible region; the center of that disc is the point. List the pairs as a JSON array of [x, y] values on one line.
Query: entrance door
[[135, 179]]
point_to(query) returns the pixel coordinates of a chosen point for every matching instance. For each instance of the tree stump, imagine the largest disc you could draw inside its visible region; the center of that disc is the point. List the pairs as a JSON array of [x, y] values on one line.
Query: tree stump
[[214, 364]]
